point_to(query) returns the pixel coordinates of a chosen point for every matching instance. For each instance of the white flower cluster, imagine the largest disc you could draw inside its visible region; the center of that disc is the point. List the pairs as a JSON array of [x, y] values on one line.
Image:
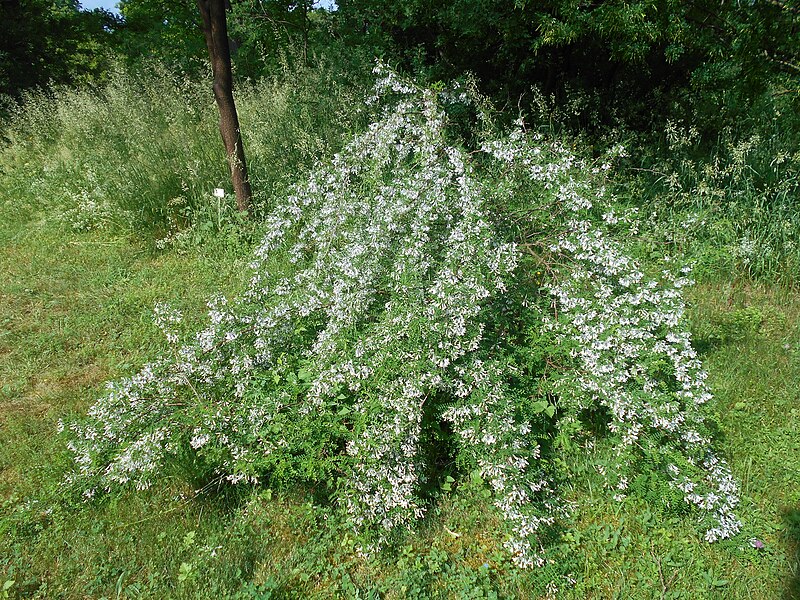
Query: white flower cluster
[[391, 254], [633, 357], [368, 306]]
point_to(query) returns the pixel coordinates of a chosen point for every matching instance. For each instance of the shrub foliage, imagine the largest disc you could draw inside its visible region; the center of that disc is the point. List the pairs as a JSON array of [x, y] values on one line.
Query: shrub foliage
[[419, 314]]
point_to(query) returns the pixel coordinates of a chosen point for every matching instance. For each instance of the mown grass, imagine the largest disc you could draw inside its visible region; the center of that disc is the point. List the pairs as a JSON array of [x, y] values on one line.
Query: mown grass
[[76, 312]]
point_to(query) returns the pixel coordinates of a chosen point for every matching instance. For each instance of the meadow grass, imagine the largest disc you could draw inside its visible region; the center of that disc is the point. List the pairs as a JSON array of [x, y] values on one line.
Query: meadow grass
[[142, 154], [76, 311]]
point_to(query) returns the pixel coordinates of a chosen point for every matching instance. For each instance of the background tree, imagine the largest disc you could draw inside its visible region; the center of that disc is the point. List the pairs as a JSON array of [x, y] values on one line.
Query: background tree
[[271, 35], [215, 30], [639, 57], [167, 31], [51, 41]]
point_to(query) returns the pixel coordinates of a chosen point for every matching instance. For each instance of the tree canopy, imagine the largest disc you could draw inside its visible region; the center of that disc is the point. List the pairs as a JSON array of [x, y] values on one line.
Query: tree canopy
[[619, 48], [638, 57], [51, 41]]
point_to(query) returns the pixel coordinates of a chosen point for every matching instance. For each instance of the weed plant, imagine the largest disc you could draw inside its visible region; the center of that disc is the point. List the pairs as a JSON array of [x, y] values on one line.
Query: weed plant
[[733, 208]]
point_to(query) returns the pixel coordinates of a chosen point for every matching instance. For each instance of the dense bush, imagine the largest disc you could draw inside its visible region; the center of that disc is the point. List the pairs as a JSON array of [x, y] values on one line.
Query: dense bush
[[46, 42], [419, 315], [643, 56]]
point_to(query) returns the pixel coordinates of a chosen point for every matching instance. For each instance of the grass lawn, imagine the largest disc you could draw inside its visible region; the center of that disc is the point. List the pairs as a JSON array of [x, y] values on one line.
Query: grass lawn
[[75, 311]]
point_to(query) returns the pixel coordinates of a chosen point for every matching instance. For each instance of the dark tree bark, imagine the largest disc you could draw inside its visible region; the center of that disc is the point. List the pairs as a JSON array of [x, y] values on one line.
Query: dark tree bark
[[215, 30]]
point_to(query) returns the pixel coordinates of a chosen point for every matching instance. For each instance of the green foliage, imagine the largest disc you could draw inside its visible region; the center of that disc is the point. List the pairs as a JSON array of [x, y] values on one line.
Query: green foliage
[[167, 32], [266, 37], [293, 122], [732, 205], [274, 34], [392, 342], [51, 41], [643, 60], [719, 189], [6, 589], [61, 287]]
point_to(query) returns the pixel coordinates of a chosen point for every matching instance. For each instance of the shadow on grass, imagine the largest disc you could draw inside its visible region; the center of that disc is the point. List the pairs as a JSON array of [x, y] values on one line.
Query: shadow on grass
[[792, 519]]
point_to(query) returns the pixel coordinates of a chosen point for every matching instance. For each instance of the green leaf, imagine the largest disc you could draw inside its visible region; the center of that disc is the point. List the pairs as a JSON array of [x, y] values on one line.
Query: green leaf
[[539, 406], [184, 571]]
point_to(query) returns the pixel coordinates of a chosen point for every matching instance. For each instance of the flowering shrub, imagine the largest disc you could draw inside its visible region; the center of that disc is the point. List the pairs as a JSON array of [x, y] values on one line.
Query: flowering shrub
[[392, 314]]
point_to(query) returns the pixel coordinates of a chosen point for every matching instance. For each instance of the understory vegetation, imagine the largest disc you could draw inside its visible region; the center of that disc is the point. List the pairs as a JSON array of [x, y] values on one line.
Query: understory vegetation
[[460, 348], [141, 155]]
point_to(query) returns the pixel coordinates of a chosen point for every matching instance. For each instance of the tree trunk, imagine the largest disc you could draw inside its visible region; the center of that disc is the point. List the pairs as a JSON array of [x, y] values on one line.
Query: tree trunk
[[215, 30]]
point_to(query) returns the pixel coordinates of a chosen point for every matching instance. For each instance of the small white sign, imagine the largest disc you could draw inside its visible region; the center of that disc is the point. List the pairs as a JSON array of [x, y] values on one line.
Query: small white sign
[[219, 192]]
